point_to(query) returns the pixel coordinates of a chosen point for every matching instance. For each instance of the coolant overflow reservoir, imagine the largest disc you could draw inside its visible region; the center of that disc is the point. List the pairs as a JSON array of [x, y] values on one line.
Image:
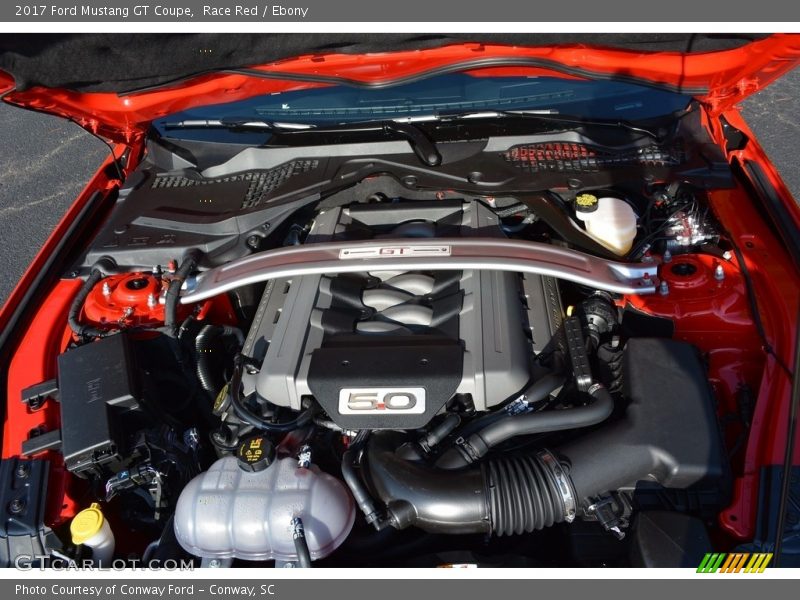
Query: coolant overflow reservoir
[[230, 512], [610, 221]]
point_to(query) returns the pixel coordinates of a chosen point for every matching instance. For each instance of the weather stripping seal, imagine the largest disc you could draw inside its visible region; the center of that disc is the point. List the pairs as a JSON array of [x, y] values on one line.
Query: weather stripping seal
[[467, 65], [463, 65], [441, 254]]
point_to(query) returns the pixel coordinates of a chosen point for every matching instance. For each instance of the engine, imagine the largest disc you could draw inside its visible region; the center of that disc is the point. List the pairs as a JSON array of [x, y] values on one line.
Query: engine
[[380, 376], [388, 349]]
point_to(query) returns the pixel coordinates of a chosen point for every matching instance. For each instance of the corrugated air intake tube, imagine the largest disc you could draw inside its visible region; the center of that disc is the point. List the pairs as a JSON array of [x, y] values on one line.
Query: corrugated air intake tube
[[504, 495], [528, 493]]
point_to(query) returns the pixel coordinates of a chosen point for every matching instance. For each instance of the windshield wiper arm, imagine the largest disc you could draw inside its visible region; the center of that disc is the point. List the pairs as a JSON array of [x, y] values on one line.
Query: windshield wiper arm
[[550, 115], [237, 123], [423, 146]]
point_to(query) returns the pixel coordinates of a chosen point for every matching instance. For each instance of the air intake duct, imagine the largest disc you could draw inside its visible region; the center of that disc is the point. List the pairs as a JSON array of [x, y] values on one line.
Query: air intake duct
[[504, 496], [667, 440], [528, 493]]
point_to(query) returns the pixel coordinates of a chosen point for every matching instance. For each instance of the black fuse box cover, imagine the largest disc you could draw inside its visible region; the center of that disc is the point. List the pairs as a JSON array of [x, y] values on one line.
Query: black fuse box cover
[[95, 380]]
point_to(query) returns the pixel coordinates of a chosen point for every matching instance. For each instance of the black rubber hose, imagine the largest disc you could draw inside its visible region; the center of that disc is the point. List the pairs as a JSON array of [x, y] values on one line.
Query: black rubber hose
[[438, 433], [304, 418], [203, 344], [504, 496], [301, 544], [553, 420], [358, 489], [234, 393], [229, 330], [81, 330], [478, 445], [534, 393], [173, 294], [520, 491]]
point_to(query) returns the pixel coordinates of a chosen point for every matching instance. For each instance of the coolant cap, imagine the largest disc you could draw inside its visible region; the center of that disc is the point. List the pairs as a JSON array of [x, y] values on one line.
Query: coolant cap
[[255, 453], [586, 203], [86, 524]]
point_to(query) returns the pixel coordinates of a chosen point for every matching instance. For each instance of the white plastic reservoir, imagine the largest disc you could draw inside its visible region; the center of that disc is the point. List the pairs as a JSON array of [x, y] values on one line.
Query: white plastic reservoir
[[228, 512], [612, 223]]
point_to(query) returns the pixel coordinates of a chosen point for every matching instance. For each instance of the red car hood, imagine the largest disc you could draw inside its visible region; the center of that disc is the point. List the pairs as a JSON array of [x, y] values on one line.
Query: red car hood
[[717, 78]]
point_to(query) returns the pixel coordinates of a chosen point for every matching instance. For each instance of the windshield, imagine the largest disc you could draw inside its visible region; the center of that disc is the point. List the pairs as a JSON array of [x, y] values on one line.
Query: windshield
[[446, 95]]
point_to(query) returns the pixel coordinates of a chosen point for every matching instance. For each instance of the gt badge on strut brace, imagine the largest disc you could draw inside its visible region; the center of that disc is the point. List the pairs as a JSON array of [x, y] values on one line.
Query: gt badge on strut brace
[[393, 252]]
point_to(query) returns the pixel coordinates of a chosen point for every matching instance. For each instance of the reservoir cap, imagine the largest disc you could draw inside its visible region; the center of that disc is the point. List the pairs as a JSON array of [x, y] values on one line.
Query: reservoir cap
[[586, 203], [255, 453], [86, 524]]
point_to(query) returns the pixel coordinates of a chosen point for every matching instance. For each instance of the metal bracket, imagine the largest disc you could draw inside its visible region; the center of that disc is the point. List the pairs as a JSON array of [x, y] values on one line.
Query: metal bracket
[[49, 440], [577, 353], [36, 395]]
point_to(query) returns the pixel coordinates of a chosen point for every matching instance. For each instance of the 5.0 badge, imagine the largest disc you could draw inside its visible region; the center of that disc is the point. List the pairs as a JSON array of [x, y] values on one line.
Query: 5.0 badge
[[361, 401]]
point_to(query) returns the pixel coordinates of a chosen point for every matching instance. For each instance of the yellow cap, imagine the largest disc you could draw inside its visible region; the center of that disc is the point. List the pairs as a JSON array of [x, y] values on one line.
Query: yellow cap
[[86, 524], [586, 203], [221, 397]]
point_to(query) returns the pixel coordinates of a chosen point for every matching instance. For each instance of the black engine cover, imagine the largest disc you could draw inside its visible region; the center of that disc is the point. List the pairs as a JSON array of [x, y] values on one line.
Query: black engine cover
[[368, 385]]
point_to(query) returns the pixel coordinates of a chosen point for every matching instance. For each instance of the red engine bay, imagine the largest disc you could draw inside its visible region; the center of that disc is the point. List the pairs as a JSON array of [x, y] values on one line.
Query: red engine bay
[[718, 312]]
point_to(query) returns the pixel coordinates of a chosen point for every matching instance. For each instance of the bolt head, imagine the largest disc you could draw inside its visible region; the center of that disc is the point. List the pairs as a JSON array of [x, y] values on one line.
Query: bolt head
[[16, 506]]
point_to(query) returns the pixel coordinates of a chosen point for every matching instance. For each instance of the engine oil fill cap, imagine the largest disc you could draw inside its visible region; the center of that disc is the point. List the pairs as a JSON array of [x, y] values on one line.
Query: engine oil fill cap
[[255, 453]]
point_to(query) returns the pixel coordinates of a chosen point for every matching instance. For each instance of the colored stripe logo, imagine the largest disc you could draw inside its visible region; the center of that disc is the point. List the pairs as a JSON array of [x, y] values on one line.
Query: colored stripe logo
[[737, 562]]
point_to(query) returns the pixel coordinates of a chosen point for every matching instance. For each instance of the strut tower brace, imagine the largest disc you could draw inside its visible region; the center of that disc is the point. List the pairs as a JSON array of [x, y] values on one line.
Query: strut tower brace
[[442, 254]]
